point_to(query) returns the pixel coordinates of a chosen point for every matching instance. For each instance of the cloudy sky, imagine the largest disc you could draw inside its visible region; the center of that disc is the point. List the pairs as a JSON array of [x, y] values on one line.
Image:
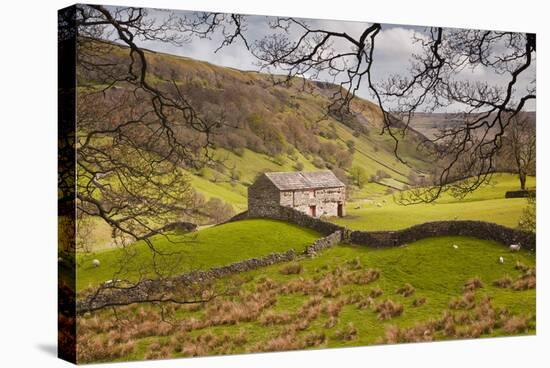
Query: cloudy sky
[[394, 47]]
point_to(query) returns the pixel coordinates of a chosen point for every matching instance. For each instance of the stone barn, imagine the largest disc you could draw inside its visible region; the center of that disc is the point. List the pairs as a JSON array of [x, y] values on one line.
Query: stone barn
[[318, 193]]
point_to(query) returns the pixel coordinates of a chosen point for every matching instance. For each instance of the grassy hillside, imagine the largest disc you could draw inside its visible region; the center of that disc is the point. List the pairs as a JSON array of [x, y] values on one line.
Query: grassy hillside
[[326, 305], [210, 247], [276, 128], [485, 204]]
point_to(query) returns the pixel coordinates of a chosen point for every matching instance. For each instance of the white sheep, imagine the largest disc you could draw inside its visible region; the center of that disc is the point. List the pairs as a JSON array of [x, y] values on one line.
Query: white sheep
[[455, 246], [378, 205], [501, 260], [515, 247], [96, 262]]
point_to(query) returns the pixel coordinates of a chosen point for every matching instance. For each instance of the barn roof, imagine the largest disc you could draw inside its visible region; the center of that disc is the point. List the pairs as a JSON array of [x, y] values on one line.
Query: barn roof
[[304, 180]]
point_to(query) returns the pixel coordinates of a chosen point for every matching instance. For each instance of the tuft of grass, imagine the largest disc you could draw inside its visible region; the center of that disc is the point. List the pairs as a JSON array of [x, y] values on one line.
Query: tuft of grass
[[504, 282], [419, 302], [516, 325], [375, 292], [388, 309], [291, 269], [466, 301], [347, 333], [472, 284], [406, 290]]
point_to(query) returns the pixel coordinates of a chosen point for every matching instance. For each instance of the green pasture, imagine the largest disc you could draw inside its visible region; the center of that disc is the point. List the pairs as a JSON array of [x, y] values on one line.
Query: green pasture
[[179, 253]]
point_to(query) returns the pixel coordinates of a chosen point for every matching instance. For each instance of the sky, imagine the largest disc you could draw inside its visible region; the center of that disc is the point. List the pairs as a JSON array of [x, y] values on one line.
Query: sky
[[393, 51]]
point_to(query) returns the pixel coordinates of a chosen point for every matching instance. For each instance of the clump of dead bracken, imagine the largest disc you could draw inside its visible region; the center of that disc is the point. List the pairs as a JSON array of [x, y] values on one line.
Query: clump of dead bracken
[[526, 280], [419, 302], [388, 309], [472, 284], [294, 268], [346, 333], [406, 290], [467, 321]]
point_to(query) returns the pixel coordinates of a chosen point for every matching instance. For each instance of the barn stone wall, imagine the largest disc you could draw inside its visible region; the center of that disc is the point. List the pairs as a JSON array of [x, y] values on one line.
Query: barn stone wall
[[263, 198], [325, 200]]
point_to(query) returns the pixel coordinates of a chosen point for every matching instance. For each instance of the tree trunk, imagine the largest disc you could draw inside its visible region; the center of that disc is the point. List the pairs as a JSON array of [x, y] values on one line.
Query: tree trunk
[[522, 180]]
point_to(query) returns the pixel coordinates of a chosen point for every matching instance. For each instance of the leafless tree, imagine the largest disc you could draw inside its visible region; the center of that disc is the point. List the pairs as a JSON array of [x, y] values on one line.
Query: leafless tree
[[520, 141], [133, 136], [434, 81]]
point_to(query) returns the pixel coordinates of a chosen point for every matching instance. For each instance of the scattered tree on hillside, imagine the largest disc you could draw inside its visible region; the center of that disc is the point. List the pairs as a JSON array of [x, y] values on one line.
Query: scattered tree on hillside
[[358, 176], [434, 81], [520, 141], [528, 219], [218, 211]]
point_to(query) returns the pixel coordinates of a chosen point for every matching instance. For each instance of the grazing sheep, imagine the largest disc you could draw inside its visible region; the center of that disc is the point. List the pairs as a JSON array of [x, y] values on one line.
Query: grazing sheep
[[501, 260], [515, 247], [96, 262], [379, 205], [455, 246], [357, 207], [456, 218]]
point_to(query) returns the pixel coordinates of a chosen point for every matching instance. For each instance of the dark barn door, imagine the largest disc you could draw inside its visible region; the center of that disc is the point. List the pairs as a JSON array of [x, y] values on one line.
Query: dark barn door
[[313, 211], [340, 210]]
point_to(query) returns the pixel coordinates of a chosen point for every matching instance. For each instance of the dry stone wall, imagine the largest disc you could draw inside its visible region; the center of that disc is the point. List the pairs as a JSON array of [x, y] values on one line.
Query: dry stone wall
[[151, 289], [476, 229]]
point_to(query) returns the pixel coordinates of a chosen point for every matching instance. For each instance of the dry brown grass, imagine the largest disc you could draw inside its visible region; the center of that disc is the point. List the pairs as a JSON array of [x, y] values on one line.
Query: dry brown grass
[[365, 303], [361, 277], [333, 309], [418, 333], [314, 339], [388, 309], [503, 282], [525, 282], [466, 301], [95, 348], [292, 269], [481, 319], [288, 340], [375, 292], [354, 264], [472, 284], [347, 333], [516, 324], [419, 302], [331, 322], [271, 318], [521, 267], [406, 290]]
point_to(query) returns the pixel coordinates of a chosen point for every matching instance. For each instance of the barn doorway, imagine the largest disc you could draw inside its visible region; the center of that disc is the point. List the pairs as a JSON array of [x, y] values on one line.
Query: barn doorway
[[313, 211], [340, 210]]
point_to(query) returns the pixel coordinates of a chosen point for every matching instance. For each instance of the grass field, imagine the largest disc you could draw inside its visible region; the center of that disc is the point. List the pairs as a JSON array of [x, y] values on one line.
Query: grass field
[[214, 246], [319, 308], [485, 204]]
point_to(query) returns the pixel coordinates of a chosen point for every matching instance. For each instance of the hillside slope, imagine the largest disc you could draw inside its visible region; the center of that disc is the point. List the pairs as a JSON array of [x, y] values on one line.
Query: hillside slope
[[276, 128]]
